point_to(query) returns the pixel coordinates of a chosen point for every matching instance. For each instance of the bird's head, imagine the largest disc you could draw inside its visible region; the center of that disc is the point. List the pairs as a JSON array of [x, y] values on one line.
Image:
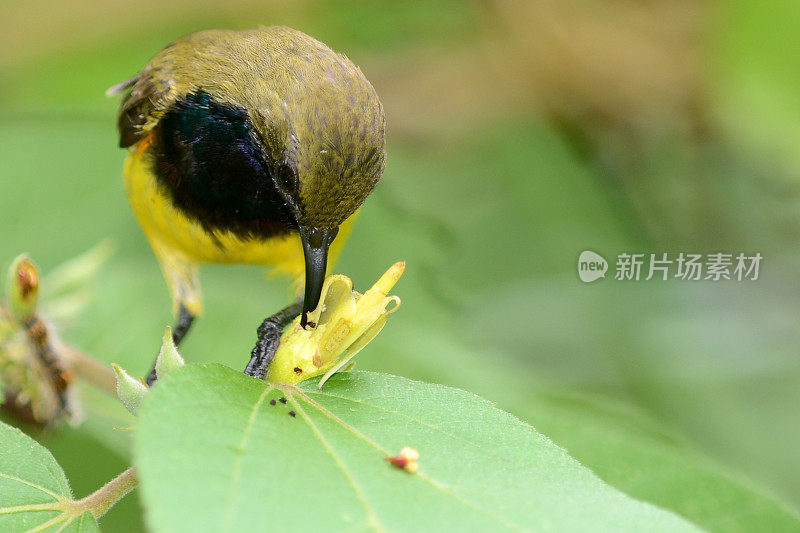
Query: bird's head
[[329, 153], [272, 112], [323, 129]]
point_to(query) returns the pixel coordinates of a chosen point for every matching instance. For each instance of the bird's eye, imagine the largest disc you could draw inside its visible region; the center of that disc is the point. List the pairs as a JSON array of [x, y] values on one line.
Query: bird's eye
[[287, 178]]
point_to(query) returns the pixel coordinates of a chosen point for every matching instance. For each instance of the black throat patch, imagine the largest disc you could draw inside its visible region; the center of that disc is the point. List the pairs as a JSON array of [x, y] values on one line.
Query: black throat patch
[[212, 169]]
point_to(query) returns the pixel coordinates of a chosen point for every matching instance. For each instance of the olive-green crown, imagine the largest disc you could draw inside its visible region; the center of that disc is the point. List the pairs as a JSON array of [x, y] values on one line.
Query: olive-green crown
[[313, 110]]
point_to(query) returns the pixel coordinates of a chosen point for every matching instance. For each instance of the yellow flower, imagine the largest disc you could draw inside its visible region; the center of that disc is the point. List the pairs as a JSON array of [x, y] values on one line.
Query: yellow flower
[[345, 322]]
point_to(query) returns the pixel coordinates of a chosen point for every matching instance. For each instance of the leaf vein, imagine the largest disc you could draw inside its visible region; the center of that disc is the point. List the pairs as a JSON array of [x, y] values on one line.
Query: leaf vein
[[32, 508], [412, 418], [33, 485], [66, 524], [357, 490], [53, 521], [238, 463], [432, 482]]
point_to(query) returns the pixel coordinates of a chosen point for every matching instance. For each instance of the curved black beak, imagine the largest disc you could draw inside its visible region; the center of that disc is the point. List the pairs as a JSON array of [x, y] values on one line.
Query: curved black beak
[[316, 242]]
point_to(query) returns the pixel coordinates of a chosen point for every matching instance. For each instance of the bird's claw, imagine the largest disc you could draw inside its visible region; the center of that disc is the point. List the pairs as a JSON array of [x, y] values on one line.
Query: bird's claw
[[269, 338]]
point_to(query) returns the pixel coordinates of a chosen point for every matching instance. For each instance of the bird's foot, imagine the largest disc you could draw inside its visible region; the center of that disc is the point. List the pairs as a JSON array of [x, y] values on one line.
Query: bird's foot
[[269, 338]]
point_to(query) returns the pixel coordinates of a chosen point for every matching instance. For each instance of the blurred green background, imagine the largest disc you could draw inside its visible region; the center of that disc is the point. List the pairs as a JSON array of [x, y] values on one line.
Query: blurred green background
[[519, 135]]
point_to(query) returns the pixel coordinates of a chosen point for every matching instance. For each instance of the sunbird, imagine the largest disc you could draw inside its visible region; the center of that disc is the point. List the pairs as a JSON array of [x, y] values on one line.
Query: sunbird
[[255, 146]]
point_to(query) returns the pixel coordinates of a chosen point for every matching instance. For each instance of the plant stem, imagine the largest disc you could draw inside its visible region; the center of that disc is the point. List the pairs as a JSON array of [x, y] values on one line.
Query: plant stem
[[103, 498], [98, 374]]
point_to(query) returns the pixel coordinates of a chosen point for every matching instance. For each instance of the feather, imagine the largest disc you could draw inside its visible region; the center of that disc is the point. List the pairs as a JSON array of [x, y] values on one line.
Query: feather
[[121, 87]]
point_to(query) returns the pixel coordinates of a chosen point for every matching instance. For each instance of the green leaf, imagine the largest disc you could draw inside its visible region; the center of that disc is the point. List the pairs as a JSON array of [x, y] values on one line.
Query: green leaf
[[213, 453], [629, 452], [34, 493]]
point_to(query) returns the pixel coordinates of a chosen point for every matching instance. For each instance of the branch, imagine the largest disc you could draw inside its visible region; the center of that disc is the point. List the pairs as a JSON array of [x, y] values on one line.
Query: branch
[[100, 501], [98, 374]]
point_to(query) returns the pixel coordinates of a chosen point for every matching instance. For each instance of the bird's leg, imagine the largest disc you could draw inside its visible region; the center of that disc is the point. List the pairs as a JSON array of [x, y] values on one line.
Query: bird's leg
[[269, 337], [179, 331]]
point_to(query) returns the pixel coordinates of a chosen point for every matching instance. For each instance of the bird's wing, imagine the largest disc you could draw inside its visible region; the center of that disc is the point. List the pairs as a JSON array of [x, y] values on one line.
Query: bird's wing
[[143, 99], [121, 87], [170, 73], [135, 109]]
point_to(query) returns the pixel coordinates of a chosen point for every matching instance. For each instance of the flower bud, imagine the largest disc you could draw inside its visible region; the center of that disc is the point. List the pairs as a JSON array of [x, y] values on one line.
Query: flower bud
[[23, 287], [168, 357], [130, 390]]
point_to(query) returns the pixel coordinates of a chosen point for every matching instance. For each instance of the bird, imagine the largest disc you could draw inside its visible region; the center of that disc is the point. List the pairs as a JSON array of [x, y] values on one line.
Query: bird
[[249, 146]]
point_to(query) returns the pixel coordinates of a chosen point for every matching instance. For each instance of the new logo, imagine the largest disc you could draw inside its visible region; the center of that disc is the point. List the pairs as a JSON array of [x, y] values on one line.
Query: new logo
[[591, 266]]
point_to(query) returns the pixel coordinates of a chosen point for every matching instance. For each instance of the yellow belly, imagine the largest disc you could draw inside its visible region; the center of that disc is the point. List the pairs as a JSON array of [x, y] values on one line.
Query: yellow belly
[[181, 243]]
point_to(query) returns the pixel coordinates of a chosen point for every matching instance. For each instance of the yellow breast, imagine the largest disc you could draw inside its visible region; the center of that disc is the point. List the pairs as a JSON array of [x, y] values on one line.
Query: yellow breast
[[180, 242]]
